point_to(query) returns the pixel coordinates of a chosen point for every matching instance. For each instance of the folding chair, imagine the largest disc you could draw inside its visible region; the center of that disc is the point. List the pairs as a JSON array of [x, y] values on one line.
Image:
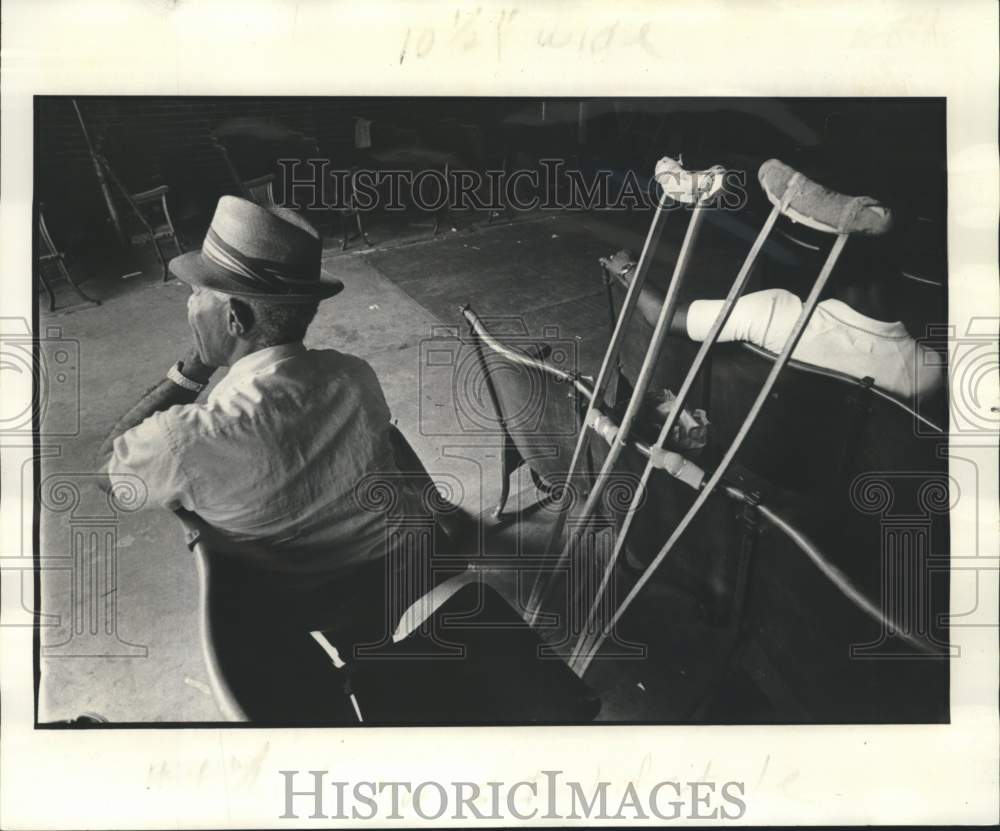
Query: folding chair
[[249, 146], [260, 189], [149, 208], [48, 253], [457, 654]]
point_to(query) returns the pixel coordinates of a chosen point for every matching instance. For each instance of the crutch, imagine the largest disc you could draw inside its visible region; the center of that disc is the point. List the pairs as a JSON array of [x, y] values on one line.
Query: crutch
[[801, 200], [693, 188]]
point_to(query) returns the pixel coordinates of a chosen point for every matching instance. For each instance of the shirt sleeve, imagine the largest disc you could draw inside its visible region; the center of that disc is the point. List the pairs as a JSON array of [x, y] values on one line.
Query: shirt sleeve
[[148, 453], [764, 318]]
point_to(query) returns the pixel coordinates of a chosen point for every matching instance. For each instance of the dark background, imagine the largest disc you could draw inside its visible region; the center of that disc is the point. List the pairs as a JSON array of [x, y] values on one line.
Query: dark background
[[893, 149]]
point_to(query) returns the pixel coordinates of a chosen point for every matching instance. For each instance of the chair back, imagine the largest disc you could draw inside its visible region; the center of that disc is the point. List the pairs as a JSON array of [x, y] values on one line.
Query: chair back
[[213, 624], [539, 413], [47, 246], [251, 148]]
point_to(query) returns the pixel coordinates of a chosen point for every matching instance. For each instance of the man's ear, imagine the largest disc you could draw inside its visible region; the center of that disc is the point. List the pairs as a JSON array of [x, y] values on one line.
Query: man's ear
[[239, 318]]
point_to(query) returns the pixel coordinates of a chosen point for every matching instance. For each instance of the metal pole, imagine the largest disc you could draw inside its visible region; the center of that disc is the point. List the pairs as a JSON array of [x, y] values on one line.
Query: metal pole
[[642, 383], [609, 361], [101, 178]]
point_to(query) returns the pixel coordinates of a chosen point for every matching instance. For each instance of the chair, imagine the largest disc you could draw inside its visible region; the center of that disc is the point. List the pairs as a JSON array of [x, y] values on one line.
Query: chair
[[147, 205], [261, 189], [537, 415], [470, 659], [384, 146], [251, 148], [480, 145], [853, 469], [48, 253], [159, 227]]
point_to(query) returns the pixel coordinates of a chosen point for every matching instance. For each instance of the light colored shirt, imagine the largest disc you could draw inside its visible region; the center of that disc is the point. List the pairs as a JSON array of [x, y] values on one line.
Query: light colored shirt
[[837, 337], [278, 454]]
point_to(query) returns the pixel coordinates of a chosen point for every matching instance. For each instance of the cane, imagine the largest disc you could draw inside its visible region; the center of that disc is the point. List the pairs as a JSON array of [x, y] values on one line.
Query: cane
[[801, 200]]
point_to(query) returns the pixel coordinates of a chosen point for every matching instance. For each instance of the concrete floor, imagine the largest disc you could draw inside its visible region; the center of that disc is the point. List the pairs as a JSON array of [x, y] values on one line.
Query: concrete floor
[[123, 639]]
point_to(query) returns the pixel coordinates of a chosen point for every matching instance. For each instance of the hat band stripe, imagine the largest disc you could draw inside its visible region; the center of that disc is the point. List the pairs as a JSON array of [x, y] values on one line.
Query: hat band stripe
[[252, 272], [234, 266]]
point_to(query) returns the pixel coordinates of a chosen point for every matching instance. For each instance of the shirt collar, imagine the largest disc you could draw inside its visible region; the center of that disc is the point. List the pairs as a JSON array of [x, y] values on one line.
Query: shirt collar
[[260, 360], [848, 314]]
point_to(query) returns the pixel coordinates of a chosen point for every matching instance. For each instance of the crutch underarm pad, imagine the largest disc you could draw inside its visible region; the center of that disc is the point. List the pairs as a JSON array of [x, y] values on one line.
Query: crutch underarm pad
[[803, 200], [688, 186]]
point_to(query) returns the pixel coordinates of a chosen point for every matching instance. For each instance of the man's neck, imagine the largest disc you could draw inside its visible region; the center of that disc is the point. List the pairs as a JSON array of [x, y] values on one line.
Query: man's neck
[[244, 348]]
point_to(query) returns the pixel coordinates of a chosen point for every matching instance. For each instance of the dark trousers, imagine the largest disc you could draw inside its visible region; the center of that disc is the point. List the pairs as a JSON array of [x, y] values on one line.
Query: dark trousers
[[278, 672]]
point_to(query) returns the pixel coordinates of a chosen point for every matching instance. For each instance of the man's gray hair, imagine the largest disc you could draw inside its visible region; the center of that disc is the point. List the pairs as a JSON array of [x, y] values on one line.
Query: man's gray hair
[[277, 323]]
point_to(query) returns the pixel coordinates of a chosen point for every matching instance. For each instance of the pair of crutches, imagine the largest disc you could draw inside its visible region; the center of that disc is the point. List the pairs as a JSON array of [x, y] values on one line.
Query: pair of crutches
[[792, 195]]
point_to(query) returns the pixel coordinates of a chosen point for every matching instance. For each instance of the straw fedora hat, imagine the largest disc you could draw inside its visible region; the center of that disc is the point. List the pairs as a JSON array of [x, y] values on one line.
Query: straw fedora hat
[[264, 253]]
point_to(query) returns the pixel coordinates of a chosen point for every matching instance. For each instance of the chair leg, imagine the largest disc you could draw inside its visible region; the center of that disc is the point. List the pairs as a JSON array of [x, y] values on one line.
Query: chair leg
[[504, 488], [361, 228], [345, 225], [540, 484], [48, 291], [170, 225], [72, 283], [162, 259], [504, 209]]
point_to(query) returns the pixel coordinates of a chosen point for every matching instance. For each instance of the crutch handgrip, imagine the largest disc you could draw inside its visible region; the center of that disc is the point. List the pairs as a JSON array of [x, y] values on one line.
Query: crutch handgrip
[[803, 200], [603, 426], [677, 466], [688, 186]]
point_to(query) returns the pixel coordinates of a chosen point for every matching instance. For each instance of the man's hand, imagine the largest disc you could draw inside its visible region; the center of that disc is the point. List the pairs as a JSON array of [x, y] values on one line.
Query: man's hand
[[620, 265], [161, 397], [195, 369]]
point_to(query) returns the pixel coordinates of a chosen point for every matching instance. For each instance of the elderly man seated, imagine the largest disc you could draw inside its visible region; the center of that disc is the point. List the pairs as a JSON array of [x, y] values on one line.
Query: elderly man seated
[[272, 459]]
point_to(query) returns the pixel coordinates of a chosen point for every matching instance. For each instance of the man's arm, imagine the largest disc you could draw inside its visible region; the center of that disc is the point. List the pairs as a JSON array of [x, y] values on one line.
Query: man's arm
[[762, 317], [161, 397], [650, 299], [651, 302]]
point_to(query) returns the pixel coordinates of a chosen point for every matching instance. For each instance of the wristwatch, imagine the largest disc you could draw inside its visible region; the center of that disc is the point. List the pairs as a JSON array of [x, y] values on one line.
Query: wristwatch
[[174, 374]]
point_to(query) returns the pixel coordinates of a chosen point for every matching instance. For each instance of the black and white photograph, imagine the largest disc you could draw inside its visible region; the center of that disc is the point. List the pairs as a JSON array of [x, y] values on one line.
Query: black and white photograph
[[397, 416], [494, 411]]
